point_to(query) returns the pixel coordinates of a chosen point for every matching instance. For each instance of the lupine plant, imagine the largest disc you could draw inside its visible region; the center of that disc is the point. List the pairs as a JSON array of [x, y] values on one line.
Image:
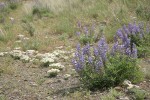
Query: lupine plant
[[101, 67], [134, 34], [87, 35]]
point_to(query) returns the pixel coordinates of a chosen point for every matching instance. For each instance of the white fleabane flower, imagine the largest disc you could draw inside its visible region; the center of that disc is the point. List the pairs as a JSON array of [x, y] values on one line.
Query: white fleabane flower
[[16, 54], [25, 58], [1, 54], [46, 61], [66, 76], [53, 72], [57, 65]]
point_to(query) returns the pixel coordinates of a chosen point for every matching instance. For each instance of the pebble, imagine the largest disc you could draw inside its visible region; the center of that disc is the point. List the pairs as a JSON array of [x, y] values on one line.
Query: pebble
[[123, 98], [20, 37], [33, 84]]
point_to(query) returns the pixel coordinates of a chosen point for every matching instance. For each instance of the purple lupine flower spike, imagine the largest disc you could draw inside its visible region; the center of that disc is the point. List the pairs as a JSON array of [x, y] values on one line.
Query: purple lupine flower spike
[[126, 30], [86, 50], [78, 33], [86, 31], [115, 48], [98, 65], [78, 48], [134, 51], [77, 65], [128, 51], [90, 60], [119, 33], [103, 48], [96, 52]]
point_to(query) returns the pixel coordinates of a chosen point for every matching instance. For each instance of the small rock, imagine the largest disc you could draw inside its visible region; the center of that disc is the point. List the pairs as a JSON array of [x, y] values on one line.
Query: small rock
[[129, 85], [33, 84], [54, 97], [20, 37], [144, 81], [49, 98], [26, 38], [123, 98], [12, 20]]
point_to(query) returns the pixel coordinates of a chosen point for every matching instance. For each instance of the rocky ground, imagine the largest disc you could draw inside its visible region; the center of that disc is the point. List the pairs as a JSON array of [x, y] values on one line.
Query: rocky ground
[[30, 81]]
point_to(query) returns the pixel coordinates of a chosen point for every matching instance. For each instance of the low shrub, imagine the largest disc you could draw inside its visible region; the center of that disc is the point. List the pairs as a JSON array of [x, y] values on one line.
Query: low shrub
[[143, 12], [2, 19], [42, 12], [29, 28], [100, 68], [112, 95], [13, 6]]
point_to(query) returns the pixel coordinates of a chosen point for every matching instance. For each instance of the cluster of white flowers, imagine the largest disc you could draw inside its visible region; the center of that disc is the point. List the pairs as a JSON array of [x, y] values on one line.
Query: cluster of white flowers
[[47, 60], [25, 58], [31, 53], [57, 65], [16, 54], [1, 54], [53, 72]]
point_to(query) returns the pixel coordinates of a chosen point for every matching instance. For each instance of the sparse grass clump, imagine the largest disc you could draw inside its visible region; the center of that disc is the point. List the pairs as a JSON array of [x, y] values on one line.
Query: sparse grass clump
[[6, 66], [41, 12], [138, 94], [112, 95], [143, 12], [29, 28]]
